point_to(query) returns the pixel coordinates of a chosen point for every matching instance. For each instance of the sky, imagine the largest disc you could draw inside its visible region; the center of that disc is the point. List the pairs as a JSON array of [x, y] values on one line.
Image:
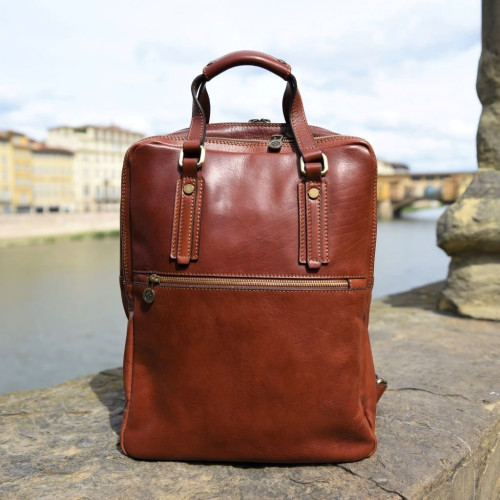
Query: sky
[[400, 74]]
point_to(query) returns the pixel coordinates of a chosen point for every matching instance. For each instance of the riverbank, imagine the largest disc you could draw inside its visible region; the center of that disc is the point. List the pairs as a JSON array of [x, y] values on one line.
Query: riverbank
[[23, 229], [438, 427], [33, 228], [63, 341]]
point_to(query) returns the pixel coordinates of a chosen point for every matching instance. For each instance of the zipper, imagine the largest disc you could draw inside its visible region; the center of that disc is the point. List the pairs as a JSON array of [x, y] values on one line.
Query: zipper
[[237, 283], [285, 140]]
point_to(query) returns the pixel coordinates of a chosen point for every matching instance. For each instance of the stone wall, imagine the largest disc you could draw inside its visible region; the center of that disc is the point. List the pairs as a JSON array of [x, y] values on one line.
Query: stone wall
[[438, 427]]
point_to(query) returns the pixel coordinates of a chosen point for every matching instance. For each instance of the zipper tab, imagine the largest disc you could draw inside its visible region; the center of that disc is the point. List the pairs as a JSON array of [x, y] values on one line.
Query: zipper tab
[[276, 142], [259, 120], [149, 293]]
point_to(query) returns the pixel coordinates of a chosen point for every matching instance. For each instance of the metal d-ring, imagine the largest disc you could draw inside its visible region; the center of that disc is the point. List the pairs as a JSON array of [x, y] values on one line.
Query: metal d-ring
[[200, 162], [324, 168]]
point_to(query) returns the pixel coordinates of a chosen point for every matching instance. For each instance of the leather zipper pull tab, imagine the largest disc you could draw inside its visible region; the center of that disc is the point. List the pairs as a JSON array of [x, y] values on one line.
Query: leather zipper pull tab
[[276, 142]]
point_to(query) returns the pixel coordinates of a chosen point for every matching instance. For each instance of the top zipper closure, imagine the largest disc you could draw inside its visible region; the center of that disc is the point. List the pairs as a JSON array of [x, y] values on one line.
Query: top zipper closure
[[241, 283], [285, 139]]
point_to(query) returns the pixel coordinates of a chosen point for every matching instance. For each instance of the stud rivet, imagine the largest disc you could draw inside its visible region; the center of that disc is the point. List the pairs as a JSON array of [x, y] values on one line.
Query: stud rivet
[[188, 188], [313, 193]]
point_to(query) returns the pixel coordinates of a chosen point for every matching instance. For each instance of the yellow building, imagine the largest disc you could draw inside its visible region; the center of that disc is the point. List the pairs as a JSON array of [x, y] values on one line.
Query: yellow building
[[53, 186], [98, 159], [16, 191], [6, 173]]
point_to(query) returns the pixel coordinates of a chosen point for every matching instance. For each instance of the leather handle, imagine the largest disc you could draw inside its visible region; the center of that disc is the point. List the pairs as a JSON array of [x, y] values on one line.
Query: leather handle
[[294, 115], [247, 58]]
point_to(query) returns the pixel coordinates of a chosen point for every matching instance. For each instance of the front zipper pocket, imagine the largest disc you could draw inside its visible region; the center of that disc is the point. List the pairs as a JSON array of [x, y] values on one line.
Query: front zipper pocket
[[247, 283]]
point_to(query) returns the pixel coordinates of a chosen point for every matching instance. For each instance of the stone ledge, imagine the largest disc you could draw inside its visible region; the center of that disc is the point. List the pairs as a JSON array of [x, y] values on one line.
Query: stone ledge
[[438, 427]]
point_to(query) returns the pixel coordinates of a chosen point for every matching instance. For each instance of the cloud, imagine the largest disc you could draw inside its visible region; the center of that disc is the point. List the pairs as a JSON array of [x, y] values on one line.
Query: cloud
[[402, 75]]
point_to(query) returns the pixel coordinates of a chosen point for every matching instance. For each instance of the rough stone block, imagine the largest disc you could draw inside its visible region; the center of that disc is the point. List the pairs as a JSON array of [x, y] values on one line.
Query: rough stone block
[[438, 426]]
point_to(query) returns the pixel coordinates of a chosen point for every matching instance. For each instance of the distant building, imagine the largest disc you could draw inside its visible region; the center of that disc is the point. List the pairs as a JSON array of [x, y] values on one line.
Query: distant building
[[16, 193], [391, 168], [52, 180], [98, 158]]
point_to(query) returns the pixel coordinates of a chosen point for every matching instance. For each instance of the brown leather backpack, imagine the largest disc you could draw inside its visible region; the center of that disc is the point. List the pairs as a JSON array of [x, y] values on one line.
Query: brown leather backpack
[[247, 256]]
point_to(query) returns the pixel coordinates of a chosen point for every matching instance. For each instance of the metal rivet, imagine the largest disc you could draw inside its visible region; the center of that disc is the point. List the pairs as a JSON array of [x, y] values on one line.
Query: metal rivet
[[313, 193], [188, 188]]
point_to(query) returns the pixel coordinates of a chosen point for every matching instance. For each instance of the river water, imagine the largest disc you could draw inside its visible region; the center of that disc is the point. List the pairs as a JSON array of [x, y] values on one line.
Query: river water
[[61, 313]]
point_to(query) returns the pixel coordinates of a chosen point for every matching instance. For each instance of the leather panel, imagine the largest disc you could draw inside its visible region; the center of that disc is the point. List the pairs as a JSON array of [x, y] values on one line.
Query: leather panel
[[258, 399], [253, 231]]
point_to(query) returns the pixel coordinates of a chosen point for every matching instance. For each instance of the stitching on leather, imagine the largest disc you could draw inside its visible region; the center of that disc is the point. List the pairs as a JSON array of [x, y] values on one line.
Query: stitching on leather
[[306, 125], [163, 287], [124, 201], [175, 139], [198, 205], [191, 205], [311, 250], [129, 400], [302, 224], [318, 204], [306, 276], [187, 205], [326, 254], [374, 218], [294, 126], [175, 227], [308, 227]]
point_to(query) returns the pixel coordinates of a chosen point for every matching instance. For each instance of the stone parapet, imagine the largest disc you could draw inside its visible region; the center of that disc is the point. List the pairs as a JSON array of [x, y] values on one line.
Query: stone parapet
[[438, 427]]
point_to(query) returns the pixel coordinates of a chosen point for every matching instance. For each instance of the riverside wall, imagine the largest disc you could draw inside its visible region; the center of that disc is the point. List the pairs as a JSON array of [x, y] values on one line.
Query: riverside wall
[[438, 427]]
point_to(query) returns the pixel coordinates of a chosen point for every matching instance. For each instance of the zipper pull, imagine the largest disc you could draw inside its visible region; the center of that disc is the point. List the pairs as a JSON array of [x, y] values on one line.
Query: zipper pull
[[259, 120], [149, 293], [276, 142]]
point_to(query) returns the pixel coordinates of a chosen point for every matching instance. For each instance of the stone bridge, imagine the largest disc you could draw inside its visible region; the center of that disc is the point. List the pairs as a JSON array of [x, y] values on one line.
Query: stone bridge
[[401, 189]]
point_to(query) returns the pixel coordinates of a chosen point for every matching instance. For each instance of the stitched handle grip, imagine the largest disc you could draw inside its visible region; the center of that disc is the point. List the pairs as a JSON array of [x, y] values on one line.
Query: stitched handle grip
[[247, 58]]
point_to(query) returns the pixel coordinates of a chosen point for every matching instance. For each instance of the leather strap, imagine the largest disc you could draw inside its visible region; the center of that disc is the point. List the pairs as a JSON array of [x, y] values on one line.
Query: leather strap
[[187, 217], [313, 222], [188, 206], [247, 58], [295, 115]]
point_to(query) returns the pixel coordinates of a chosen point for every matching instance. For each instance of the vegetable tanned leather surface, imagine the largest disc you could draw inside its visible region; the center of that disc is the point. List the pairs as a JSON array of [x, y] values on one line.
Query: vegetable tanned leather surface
[[227, 372]]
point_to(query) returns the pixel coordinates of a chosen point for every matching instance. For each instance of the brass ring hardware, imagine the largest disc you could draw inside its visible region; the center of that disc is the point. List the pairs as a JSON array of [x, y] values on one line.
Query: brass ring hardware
[[324, 168], [201, 161]]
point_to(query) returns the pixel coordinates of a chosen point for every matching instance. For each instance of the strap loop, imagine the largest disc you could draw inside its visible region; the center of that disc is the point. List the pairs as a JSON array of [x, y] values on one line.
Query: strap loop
[[199, 163], [324, 167]]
